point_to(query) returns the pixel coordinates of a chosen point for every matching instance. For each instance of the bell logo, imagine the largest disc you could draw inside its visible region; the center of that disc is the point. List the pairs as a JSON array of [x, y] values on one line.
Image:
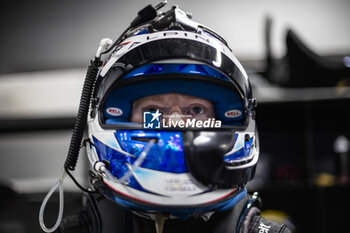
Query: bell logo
[[114, 111], [234, 113]]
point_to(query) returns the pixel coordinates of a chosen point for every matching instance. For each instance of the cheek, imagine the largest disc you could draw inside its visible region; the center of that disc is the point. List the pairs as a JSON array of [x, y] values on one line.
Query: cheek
[[210, 112], [201, 117], [135, 118]]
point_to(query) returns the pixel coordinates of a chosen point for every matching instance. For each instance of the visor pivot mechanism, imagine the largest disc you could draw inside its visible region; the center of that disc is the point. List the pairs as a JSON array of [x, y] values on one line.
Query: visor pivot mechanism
[[99, 167]]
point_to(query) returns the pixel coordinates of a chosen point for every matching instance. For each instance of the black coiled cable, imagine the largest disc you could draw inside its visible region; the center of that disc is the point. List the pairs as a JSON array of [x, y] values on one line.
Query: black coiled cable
[[81, 120]]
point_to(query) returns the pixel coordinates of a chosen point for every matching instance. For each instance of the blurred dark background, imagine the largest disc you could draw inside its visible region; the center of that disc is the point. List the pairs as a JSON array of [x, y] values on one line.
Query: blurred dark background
[[296, 54]]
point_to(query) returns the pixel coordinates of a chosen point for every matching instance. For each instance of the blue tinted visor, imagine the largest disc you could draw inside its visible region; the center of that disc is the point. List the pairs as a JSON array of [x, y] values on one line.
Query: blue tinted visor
[[195, 80]]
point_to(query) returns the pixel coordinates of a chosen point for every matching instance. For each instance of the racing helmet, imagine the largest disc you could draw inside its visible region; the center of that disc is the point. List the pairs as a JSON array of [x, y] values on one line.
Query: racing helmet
[[180, 169]]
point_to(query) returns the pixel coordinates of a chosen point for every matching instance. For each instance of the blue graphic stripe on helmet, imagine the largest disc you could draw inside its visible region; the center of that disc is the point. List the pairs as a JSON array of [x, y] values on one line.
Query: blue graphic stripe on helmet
[[117, 163], [242, 153], [198, 69], [166, 155]]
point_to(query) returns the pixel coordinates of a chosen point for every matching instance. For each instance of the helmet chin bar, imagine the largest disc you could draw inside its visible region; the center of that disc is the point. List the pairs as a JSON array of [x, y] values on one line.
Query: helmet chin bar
[[204, 155]]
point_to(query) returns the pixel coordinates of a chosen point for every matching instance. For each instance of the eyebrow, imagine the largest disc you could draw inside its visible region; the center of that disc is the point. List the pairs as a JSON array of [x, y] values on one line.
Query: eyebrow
[[159, 100], [138, 104]]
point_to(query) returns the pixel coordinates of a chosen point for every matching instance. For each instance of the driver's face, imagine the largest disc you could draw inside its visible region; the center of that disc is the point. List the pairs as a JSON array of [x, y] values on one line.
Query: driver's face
[[173, 104]]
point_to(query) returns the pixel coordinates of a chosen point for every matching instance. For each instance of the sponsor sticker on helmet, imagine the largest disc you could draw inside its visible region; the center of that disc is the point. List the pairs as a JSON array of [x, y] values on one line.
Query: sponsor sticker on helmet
[[114, 111], [234, 113]]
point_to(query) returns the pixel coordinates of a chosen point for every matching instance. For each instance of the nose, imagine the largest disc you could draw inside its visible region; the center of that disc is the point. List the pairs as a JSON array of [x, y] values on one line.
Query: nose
[[175, 114]]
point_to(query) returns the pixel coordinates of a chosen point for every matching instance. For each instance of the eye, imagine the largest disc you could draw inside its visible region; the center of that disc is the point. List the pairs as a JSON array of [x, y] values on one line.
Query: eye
[[196, 110]]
